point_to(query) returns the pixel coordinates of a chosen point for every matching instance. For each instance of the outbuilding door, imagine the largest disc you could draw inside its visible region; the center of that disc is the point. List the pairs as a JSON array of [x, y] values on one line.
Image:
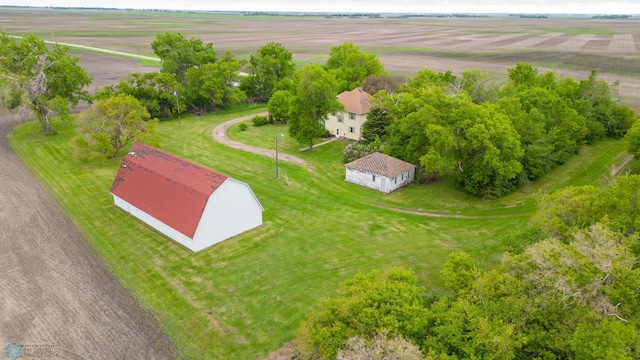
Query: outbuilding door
[[383, 182]]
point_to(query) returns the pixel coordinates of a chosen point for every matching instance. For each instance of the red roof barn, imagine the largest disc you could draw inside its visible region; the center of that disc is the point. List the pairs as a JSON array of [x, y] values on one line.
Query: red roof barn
[[191, 204]]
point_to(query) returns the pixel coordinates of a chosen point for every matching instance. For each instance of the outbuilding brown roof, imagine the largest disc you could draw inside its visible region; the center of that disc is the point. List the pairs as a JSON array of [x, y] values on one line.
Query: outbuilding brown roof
[[380, 164], [355, 101], [172, 190]]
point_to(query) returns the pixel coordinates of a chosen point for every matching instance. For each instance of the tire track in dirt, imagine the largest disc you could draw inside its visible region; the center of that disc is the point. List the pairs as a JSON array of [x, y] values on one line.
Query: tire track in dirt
[[55, 290]]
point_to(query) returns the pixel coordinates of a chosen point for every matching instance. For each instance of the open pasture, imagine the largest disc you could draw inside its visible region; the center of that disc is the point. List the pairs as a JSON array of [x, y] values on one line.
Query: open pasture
[[571, 46]]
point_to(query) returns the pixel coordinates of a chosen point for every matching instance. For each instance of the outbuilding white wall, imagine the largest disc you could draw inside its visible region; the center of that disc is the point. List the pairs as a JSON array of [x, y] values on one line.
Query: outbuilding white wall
[[401, 180], [232, 209], [381, 183], [155, 223]]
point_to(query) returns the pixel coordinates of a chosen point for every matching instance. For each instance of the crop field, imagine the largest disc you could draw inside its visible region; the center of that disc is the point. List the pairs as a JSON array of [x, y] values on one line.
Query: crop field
[[570, 46], [245, 297]]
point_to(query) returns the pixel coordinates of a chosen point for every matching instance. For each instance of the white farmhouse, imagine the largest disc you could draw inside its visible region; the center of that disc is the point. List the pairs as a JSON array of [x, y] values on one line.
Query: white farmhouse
[[190, 204], [381, 172], [348, 123]]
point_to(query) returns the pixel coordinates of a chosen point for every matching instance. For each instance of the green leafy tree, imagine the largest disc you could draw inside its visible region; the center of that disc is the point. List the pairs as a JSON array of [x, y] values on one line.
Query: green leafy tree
[[609, 339], [279, 106], [479, 86], [633, 139], [267, 66], [156, 91], [350, 66], [179, 54], [46, 81], [314, 99], [213, 86], [365, 305], [111, 124]]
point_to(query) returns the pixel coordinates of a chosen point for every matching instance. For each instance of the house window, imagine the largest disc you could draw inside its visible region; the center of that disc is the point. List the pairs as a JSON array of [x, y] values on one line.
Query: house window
[[340, 118], [352, 129], [333, 113], [373, 177], [352, 116], [395, 180]]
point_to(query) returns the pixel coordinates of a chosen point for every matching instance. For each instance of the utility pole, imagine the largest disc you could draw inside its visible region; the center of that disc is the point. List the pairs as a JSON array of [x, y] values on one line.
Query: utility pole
[[177, 104], [277, 168]]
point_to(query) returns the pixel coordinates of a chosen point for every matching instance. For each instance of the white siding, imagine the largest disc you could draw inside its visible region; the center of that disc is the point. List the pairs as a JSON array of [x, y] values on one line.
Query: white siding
[[156, 224], [367, 179], [364, 179], [232, 209]]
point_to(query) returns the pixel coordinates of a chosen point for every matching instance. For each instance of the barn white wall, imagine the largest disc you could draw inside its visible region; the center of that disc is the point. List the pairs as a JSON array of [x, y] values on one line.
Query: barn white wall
[[232, 209], [155, 223]]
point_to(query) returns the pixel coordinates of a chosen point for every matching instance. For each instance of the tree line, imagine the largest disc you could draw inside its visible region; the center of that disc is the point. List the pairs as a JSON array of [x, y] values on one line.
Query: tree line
[[492, 136]]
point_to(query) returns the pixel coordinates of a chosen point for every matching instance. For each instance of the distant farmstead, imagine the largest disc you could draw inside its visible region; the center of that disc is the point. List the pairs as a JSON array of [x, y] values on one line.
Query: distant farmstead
[[381, 172], [190, 204]]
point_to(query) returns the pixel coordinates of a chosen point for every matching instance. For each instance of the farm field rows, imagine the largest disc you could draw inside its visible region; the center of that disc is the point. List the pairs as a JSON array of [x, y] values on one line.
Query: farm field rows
[[245, 297], [570, 46]]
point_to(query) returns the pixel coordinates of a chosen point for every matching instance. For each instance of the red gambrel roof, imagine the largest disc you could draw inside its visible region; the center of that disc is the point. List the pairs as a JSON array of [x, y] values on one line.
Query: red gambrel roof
[[355, 101], [380, 164], [172, 190]]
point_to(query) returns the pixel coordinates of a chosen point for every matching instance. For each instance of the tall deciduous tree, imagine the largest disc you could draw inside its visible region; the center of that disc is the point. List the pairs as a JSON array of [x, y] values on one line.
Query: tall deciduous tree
[[212, 86], [179, 54], [158, 92], [110, 124], [314, 99], [267, 66], [47, 81], [279, 106], [366, 305], [350, 66]]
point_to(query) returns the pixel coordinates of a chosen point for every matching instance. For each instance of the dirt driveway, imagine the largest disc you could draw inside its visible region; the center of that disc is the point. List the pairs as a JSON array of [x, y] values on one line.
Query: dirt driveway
[[59, 301], [220, 135]]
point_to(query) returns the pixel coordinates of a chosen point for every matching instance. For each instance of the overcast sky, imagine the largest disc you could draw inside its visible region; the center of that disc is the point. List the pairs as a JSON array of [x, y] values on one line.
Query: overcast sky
[[375, 6]]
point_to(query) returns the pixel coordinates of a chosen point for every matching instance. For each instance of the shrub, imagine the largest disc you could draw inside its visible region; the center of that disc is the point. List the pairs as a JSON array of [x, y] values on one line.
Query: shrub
[[357, 150], [242, 126], [260, 120]]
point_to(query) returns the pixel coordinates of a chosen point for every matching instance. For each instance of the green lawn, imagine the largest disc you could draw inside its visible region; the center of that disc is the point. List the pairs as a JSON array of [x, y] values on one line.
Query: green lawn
[[245, 297]]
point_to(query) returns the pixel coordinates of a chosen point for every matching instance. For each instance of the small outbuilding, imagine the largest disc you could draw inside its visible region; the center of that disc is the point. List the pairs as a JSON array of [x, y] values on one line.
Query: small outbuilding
[[190, 204], [381, 172]]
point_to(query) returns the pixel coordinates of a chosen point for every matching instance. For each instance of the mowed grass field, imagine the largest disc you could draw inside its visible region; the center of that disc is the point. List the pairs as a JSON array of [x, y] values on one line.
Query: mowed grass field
[[245, 297]]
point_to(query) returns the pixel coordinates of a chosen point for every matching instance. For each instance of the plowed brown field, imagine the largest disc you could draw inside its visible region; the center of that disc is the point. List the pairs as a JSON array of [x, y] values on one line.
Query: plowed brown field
[[58, 300]]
